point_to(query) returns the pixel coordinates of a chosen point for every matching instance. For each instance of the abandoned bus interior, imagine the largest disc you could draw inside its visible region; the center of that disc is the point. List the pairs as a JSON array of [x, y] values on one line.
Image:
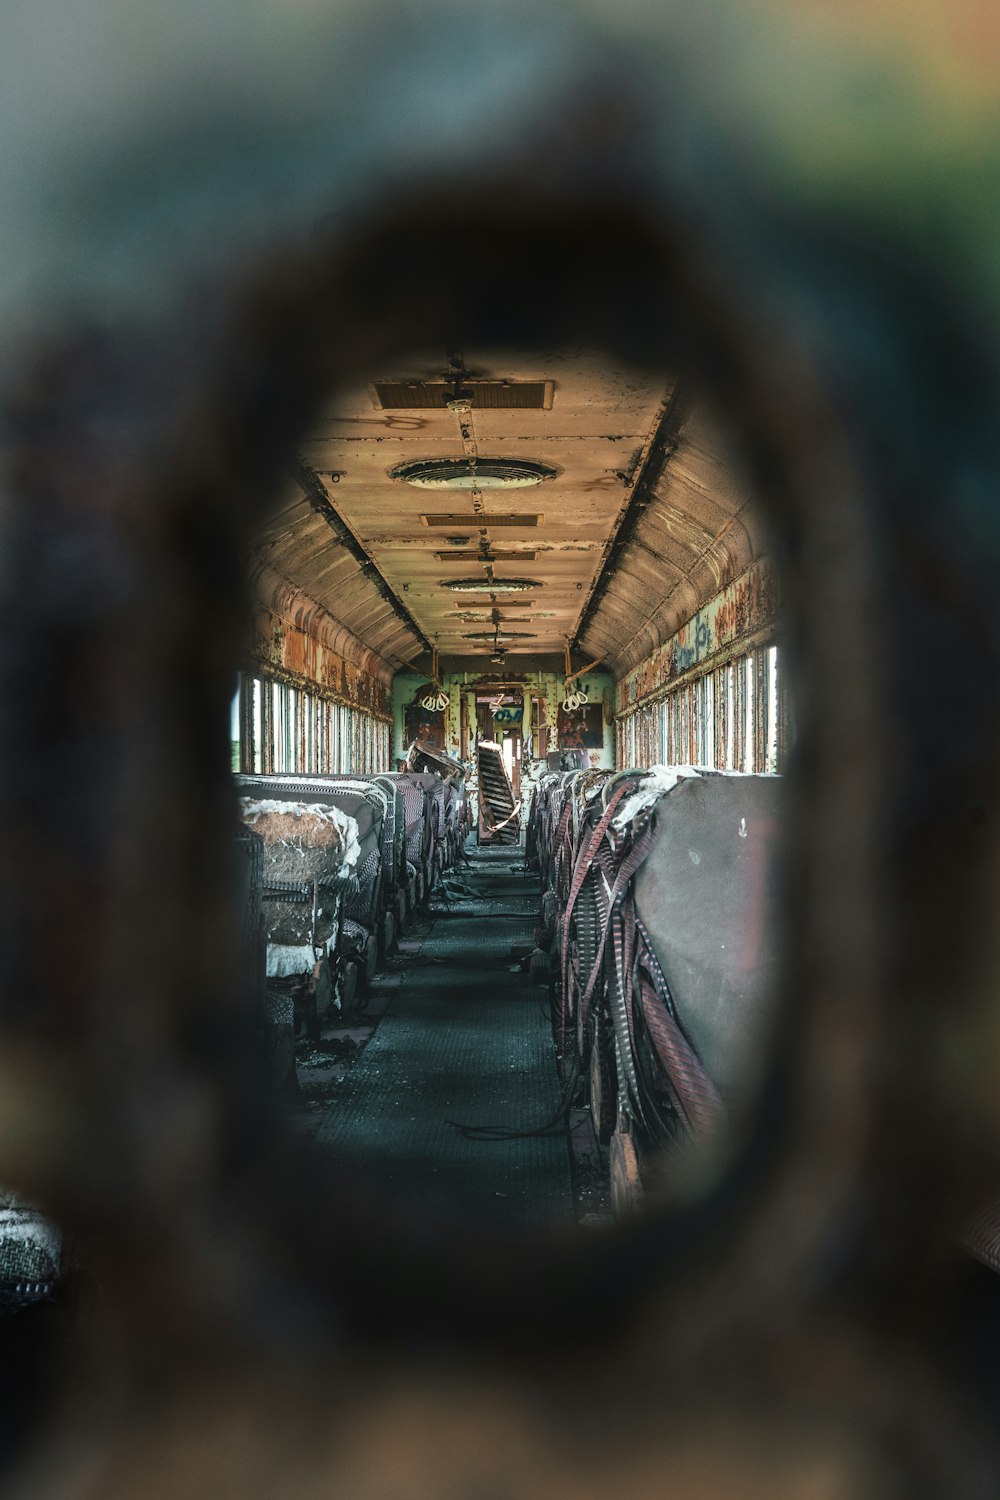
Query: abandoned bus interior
[[513, 642], [498, 561]]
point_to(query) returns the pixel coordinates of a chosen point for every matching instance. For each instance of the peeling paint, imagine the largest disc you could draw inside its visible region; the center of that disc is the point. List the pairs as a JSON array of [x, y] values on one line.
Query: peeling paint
[[745, 607], [295, 639]]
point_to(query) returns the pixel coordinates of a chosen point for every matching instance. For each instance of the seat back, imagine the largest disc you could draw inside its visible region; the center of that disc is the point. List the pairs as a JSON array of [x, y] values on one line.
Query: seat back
[[309, 855], [433, 789], [705, 895], [366, 806], [417, 807]]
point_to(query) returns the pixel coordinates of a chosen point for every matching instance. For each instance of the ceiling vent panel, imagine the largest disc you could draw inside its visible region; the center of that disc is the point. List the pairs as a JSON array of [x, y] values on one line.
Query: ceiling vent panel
[[491, 585], [473, 557], [472, 474], [419, 395], [453, 518], [472, 616]]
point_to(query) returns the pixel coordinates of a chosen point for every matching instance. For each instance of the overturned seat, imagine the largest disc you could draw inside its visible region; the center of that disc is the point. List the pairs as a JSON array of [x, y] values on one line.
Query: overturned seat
[[703, 902], [499, 809]]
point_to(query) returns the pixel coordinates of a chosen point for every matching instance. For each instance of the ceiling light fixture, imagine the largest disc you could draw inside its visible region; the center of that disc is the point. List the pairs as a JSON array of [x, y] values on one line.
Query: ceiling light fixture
[[496, 637], [472, 473], [490, 585]]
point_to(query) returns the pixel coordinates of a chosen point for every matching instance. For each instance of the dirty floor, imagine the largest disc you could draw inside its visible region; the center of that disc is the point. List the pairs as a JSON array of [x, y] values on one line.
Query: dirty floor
[[455, 1103]]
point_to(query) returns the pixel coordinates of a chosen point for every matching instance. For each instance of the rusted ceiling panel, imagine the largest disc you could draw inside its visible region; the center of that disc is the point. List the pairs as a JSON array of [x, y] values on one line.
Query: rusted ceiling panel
[[640, 519], [286, 601], [694, 531], [585, 440], [402, 394], [299, 543]]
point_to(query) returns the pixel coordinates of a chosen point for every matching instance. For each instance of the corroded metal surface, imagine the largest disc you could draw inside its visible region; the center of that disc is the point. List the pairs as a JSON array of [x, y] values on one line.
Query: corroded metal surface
[[696, 531], [733, 617], [292, 634], [585, 446]]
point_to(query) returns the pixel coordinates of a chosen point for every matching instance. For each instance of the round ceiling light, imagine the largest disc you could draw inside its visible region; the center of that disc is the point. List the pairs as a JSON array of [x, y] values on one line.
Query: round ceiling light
[[491, 585], [472, 474]]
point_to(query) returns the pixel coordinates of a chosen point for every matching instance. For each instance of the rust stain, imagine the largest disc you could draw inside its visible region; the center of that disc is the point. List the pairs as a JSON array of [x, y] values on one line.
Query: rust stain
[[747, 605], [294, 639]]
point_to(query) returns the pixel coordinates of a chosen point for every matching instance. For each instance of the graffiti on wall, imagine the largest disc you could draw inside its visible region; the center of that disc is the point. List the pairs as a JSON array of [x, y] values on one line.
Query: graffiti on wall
[[509, 714], [748, 605]]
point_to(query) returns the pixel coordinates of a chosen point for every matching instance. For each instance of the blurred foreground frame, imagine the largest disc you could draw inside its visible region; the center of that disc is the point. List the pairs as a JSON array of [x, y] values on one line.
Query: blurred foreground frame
[[247, 1323]]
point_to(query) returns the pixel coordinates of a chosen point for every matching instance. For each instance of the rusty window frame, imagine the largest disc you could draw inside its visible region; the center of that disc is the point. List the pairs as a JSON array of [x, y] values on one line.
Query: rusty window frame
[[273, 744], [312, 734], [748, 746], [301, 730], [250, 725], [771, 733], [267, 727], [262, 728], [286, 729], [706, 693], [696, 722], [733, 716], [279, 743], [739, 714], [720, 715], [284, 734], [286, 747], [760, 716]]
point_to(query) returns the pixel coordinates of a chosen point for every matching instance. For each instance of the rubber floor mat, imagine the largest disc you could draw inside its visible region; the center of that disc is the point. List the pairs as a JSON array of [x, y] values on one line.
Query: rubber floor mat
[[465, 1041]]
